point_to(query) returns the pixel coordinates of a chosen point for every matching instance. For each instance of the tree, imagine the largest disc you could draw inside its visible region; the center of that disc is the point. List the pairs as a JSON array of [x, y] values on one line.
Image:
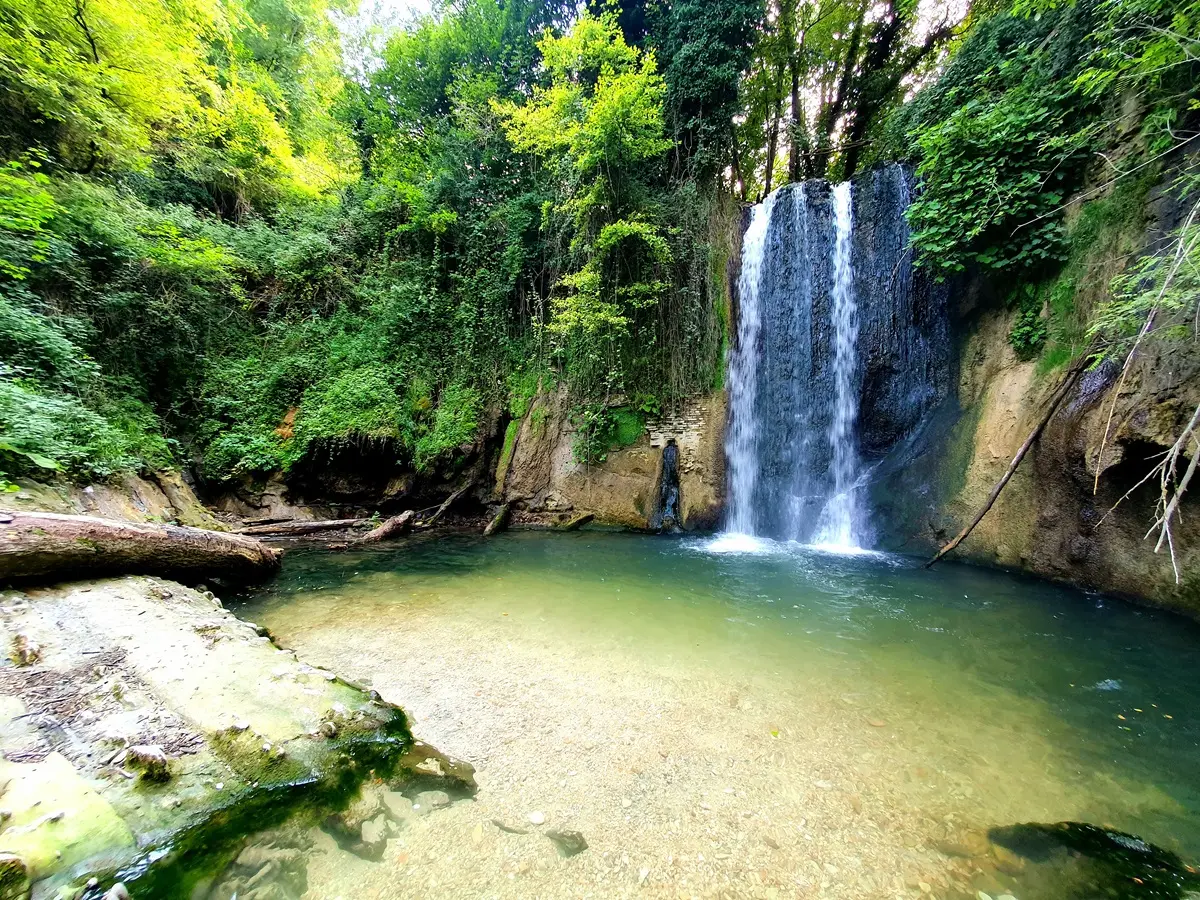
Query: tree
[[706, 47], [840, 65], [600, 123]]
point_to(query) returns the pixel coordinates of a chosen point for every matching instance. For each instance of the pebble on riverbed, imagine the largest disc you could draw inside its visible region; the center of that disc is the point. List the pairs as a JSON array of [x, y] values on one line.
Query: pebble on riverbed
[[569, 843]]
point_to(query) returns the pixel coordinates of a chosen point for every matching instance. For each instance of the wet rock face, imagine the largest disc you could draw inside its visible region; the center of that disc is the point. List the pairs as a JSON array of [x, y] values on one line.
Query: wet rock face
[[902, 348], [904, 325]]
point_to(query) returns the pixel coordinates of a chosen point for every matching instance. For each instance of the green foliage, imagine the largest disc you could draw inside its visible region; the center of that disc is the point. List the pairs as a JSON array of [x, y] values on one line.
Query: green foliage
[[455, 423], [26, 206], [211, 238], [1028, 334], [1160, 294], [1002, 139], [706, 45], [600, 428], [600, 123], [49, 432]]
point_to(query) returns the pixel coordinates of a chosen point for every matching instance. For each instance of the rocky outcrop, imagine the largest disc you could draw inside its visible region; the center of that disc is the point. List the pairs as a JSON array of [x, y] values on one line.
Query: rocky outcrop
[[145, 731], [541, 475], [1066, 514], [161, 497]]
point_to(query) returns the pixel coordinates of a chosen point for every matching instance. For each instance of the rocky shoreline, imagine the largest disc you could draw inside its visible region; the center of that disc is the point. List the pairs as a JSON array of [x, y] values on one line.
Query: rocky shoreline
[[146, 731]]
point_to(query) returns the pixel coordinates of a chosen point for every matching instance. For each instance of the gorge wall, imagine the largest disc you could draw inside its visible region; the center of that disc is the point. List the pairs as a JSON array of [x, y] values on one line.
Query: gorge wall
[[543, 477], [1073, 512]]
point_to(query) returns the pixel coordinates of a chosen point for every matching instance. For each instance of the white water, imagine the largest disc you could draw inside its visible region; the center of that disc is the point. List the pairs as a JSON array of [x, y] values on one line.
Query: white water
[[741, 443], [801, 494], [839, 521]]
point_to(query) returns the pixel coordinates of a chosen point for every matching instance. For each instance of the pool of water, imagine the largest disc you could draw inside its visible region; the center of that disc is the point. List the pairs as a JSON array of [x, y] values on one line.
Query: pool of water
[[720, 715]]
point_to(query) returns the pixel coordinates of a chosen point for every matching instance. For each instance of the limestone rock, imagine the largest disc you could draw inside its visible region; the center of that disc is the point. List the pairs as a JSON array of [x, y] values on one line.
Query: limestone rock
[[150, 760], [569, 842], [427, 801]]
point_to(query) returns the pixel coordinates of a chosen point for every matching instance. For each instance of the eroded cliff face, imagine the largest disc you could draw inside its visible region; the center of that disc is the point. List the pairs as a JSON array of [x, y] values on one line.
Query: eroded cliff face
[[1069, 513], [541, 476], [1079, 508], [159, 497]]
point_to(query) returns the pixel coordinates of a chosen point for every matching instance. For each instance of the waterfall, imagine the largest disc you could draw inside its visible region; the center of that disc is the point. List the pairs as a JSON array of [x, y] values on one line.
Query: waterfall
[[839, 526], [840, 350], [666, 506], [741, 443]]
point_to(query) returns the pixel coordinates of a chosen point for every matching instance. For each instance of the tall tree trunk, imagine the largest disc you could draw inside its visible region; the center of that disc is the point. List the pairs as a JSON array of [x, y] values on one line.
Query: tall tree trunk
[[739, 183], [833, 110], [797, 126], [773, 132]]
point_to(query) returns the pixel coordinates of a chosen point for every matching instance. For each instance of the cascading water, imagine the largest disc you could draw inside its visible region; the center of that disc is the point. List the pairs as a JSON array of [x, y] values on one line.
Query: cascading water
[[742, 437], [841, 350], [839, 521]]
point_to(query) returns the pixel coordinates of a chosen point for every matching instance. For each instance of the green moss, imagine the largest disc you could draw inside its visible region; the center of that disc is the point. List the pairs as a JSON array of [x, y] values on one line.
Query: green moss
[[506, 453], [1104, 233], [376, 749], [627, 427], [522, 388]]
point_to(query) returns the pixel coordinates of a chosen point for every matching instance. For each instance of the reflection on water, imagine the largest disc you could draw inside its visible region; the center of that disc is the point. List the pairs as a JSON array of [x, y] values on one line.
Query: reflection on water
[[821, 701]]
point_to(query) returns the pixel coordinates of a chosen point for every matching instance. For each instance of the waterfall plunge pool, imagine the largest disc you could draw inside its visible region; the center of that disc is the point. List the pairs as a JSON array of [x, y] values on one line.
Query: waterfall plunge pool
[[783, 724]]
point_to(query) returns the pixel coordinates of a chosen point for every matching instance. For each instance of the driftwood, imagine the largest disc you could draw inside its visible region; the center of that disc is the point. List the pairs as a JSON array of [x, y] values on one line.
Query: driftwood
[[284, 529], [41, 546], [1055, 402], [499, 521], [446, 504], [393, 527]]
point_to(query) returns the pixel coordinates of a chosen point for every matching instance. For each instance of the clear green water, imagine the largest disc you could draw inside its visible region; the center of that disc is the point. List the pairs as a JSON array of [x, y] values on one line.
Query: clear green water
[[1023, 699]]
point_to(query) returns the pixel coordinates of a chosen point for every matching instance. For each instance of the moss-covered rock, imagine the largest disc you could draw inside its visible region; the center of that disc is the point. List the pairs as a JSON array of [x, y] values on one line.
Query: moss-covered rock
[[239, 734]]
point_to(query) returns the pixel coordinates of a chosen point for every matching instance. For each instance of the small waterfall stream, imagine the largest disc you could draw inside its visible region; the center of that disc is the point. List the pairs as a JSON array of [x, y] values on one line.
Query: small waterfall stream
[[839, 526], [841, 349]]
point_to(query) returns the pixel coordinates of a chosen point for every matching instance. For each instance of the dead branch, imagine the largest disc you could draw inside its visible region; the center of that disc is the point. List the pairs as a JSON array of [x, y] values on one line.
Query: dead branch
[[1055, 401]]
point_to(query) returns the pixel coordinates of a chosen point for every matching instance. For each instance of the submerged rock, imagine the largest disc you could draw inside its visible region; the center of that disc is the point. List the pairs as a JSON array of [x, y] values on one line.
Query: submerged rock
[[427, 801], [569, 842], [1088, 861], [150, 761]]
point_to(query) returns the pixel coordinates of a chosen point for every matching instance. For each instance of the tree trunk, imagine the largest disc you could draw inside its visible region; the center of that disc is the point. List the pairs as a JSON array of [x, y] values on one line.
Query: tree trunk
[[833, 110], [578, 522], [446, 504], [772, 139], [499, 522], [739, 183], [393, 527], [52, 547], [794, 167], [284, 529]]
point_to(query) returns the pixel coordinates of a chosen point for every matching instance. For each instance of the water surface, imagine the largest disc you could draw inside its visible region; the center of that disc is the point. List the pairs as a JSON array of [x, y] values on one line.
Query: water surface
[[771, 717]]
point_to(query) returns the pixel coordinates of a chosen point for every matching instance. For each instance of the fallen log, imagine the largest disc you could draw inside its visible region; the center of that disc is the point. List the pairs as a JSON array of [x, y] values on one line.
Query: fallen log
[[284, 529], [393, 527], [49, 546], [499, 521], [1058, 397], [446, 504]]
